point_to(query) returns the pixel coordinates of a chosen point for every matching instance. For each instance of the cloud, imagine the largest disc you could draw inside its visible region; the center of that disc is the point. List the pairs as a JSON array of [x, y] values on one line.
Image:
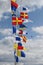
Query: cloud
[[38, 29], [4, 7], [6, 31], [31, 3]]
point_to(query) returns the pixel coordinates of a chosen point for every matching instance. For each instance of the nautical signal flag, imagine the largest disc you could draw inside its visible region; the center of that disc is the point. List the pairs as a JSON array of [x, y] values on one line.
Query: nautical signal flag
[[14, 29], [18, 39], [24, 8], [14, 4], [13, 8], [15, 45], [17, 21], [24, 38], [19, 47], [24, 15], [20, 53], [19, 44], [20, 32]]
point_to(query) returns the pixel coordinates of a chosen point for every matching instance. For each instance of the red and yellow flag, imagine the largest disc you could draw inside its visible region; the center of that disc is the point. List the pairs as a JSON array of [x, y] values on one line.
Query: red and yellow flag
[[24, 15], [17, 21]]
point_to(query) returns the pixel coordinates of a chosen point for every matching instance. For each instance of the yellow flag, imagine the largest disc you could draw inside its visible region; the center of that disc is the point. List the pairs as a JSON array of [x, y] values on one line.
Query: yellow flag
[[15, 45], [19, 53]]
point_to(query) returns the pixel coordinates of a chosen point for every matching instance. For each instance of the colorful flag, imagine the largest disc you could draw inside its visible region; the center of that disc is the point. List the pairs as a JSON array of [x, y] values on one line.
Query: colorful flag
[[14, 4], [20, 53], [17, 21], [21, 48], [14, 29], [24, 15], [15, 45], [20, 32], [19, 44], [24, 8], [13, 8], [18, 39], [24, 38]]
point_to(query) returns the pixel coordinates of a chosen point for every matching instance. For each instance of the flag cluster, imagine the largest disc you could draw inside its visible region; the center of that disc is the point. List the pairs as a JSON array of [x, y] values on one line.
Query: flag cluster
[[18, 30]]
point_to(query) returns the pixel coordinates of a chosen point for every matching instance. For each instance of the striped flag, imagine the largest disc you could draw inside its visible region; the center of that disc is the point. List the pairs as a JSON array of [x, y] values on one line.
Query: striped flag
[[24, 38], [24, 15], [17, 21], [20, 53]]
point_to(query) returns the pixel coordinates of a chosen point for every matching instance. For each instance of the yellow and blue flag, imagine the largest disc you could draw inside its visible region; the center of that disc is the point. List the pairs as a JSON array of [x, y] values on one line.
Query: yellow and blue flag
[[20, 53]]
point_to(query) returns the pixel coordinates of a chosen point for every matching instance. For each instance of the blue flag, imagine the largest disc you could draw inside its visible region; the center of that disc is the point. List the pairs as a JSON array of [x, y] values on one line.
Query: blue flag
[[17, 60], [14, 30], [13, 8], [22, 54], [24, 8], [18, 39], [19, 44]]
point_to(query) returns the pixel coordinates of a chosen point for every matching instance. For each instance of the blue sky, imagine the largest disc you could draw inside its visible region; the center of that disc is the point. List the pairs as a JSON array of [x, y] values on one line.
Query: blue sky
[[34, 29]]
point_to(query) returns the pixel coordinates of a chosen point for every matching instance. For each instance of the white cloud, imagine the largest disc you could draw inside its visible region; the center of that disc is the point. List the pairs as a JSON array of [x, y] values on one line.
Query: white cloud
[[6, 31], [4, 7], [38, 29], [31, 3]]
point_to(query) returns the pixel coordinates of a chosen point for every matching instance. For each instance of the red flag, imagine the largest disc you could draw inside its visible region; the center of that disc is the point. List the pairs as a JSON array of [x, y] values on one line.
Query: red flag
[[14, 4], [20, 47], [17, 21], [24, 15]]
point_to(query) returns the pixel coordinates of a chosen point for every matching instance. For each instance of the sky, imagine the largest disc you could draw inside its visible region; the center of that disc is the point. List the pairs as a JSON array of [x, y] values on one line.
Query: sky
[[34, 45]]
